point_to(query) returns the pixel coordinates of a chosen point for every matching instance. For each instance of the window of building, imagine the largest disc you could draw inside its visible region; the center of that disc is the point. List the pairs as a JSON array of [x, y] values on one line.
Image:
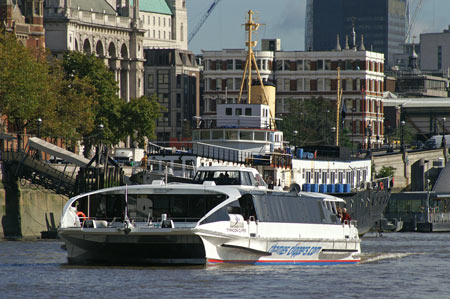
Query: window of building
[[248, 111], [228, 111], [238, 82], [178, 100], [307, 85], [300, 65], [229, 64], [229, 83], [287, 65], [238, 63], [238, 111], [150, 82], [178, 119], [320, 64], [279, 65], [293, 85], [287, 83], [327, 84], [307, 65], [327, 64], [320, 84], [300, 84]]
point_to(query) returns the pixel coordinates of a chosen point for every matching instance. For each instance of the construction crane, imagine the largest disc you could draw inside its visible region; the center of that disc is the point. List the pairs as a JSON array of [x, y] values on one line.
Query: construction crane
[[203, 20], [412, 21]]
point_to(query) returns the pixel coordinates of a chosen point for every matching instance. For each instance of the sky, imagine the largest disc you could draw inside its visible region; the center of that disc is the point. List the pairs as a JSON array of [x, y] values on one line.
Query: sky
[[284, 19]]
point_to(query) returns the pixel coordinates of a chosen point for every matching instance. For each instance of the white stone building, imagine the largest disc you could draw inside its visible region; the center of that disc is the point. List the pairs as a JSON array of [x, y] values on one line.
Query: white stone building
[[165, 24], [104, 28], [118, 31], [303, 75]]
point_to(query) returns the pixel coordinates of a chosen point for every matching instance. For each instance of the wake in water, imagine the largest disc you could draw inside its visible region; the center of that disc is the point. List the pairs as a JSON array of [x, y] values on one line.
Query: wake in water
[[376, 257]]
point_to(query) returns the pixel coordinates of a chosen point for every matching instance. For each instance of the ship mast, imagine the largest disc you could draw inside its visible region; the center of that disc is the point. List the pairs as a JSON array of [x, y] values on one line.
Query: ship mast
[[250, 62]]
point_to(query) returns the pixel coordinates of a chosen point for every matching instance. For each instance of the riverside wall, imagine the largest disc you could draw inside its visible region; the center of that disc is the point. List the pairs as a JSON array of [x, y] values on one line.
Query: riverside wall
[[29, 211]]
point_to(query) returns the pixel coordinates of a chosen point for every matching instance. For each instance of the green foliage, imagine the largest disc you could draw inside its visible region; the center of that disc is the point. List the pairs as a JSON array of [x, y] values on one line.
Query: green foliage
[[312, 119], [28, 89], [72, 97], [385, 171], [106, 106], [139, 117]]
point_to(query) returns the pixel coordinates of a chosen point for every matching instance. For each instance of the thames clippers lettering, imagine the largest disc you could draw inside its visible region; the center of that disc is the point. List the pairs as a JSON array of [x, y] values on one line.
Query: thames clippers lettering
[[293, 251]]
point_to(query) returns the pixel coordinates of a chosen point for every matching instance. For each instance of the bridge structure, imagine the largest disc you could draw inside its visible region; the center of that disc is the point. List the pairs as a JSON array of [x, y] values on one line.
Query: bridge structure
[[73, 177]]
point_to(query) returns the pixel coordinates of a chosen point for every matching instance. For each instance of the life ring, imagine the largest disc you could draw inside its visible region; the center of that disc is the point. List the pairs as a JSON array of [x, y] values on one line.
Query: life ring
[[81, 215], [381, 186]]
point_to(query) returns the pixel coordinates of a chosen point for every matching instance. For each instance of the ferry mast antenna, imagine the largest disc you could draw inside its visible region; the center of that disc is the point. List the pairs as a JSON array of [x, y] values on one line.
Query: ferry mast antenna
[[250, 62], [338, 104]]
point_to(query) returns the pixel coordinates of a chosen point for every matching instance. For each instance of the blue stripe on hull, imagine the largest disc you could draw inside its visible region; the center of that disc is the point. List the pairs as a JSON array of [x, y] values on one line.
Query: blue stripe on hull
[[287, 262]]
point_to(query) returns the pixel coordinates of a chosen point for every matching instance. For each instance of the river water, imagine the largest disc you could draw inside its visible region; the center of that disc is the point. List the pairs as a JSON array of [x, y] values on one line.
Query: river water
[[396, 265]]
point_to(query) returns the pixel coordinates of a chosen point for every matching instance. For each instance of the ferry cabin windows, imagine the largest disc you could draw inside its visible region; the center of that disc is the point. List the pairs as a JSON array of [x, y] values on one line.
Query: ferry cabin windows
[[225, 177], [229, 111]]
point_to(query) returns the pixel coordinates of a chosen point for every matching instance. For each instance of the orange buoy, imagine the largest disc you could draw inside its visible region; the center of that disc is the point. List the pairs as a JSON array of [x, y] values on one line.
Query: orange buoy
[[81, 215]]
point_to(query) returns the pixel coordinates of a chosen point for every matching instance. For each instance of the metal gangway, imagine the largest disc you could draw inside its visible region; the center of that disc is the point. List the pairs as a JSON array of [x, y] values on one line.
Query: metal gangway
[[73, 177]]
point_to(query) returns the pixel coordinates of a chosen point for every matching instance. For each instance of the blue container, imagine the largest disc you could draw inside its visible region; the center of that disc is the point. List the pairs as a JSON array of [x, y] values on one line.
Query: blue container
[[306, 187], [310, 156], [314, 187], [347, 188], [288, 150], [331, 188], [300, 153], [322, 188], [339, 188]]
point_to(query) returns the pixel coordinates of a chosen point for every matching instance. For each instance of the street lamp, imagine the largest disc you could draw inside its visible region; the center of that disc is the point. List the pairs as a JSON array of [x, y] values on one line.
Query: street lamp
[[443, 144], [99, 151], [295, 133], [369, 138], [402, 126], [353, 127], [333, 131], [38, 124]]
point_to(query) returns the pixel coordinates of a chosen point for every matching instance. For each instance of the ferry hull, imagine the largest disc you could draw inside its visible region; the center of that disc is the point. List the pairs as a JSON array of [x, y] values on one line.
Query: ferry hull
[[133, 249], [298, 252]]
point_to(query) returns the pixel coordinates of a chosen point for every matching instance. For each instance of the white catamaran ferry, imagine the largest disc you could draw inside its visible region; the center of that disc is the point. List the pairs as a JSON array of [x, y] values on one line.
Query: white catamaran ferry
[[227, 216]]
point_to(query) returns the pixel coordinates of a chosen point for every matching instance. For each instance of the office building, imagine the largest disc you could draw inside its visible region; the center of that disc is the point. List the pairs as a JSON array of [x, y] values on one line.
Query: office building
[[383, 23]]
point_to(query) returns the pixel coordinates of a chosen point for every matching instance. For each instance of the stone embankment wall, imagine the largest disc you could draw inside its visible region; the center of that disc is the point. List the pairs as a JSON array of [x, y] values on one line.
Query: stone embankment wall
[[403, 163], [34, 211]]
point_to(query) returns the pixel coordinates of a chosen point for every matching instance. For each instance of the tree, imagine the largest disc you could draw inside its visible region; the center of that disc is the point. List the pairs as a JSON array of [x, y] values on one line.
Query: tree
[[386, 171], [106, 106], [312, 119], [28, 86], [119, 119], [139, 116]]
